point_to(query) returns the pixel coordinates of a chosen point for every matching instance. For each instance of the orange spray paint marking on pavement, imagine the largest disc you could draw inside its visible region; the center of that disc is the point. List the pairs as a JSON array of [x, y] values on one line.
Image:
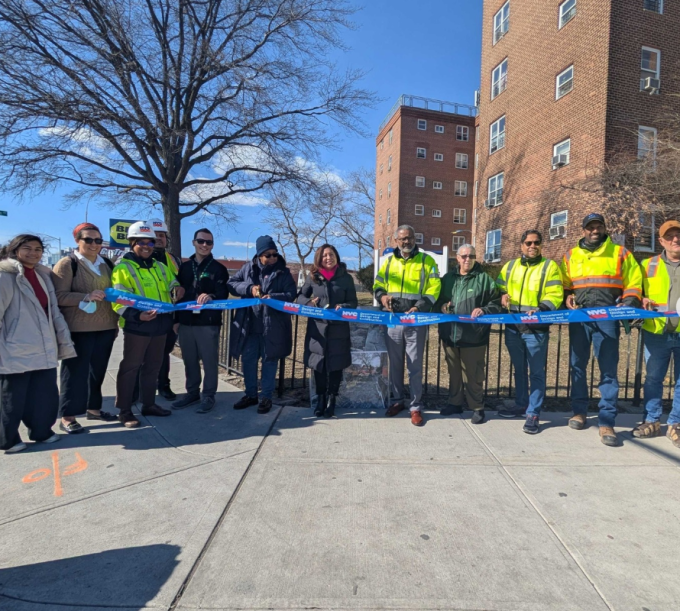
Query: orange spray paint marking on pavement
[[40, 474]]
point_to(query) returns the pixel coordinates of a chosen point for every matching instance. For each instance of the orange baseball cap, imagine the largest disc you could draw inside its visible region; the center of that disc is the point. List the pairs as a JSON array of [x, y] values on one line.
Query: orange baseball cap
[[668, 225]]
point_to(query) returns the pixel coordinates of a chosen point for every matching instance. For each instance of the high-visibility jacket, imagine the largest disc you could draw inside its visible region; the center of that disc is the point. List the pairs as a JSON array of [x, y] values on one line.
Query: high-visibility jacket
[[657, 286], [600, 277], [415, 280], [169, 260], [532, 286]]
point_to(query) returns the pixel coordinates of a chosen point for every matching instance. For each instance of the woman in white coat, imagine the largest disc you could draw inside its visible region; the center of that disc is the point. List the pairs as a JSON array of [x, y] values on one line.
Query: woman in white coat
[[33, 336]]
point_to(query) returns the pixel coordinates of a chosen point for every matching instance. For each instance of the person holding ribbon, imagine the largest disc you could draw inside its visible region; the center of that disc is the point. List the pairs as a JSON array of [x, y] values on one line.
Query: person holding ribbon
[[259, 332], [80, 280], [144, 332], [661, 283], [328, 350], [467, 289], [598, 273], [203, 280], [33, 337], [529, 284]]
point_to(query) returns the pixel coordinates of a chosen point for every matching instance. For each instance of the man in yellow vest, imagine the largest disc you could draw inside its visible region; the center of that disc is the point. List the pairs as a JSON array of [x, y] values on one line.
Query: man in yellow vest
[[529, 284], [407, 282], [661, 283], [598, 273]]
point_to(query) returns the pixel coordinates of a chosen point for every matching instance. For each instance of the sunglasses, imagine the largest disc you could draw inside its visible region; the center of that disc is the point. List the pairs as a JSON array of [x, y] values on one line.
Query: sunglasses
[[202, 242], [468, 256], [270, 255], [150, 244], [532, 243], [97, 241]]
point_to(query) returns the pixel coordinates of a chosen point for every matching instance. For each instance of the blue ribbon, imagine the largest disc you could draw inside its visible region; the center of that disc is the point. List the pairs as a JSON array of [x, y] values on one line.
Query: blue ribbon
[[557, 317]]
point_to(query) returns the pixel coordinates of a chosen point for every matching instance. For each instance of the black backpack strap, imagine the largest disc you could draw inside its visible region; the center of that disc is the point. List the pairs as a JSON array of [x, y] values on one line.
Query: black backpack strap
[[109, 262], [74, 263]]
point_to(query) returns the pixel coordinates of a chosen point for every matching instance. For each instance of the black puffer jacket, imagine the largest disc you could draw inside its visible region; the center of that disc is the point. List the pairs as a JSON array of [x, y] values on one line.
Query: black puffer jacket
[[328, 340], [209, 277]]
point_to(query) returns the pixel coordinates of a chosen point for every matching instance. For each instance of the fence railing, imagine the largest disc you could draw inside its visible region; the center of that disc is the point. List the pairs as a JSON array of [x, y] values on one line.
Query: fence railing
[[499, 380]]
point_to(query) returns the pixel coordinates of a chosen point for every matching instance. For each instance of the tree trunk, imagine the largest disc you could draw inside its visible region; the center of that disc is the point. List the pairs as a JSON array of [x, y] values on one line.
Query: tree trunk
[[172, 219]]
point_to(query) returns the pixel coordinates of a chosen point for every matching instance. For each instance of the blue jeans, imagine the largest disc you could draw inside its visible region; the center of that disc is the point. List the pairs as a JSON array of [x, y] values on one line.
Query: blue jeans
[[658, 350], [253, 351], [604, 337], [528, 349]]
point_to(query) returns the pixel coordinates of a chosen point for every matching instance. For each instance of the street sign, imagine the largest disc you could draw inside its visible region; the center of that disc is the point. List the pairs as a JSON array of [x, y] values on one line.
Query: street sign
[[118, 232], [3, 212]]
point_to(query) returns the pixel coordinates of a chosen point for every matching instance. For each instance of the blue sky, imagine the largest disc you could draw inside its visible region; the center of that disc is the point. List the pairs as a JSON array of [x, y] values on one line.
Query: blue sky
[[429, 48]]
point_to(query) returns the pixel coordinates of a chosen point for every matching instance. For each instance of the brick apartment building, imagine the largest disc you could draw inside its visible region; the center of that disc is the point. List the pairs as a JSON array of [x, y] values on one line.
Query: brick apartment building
[[565, 86], [424, 173]]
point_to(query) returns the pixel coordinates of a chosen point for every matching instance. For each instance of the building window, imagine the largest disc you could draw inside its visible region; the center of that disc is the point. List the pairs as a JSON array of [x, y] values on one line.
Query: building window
[[436, 242], [422, 124], [389, 163], [420, 181], [379, 244], [389, 136], [438, 157], [460, 188], [567, 12], [495, 193], [501, 21], [389, 216], [421, 153], [380, 219], [499, 78], [558, 224], [462, 133], [656, 6], [381, 168], [437, 185], [493, 246], [476, 160], [476, 188], [644, 240], [389, 189], [462, 161], [380, 194], [459, 216], [646, 143], [437, 213], [419, 210], [457, 242], [561, 154], [650, 67], [419, 238], [497, 135], [439, 129], [382, 144], [564, 82], [387, 240]]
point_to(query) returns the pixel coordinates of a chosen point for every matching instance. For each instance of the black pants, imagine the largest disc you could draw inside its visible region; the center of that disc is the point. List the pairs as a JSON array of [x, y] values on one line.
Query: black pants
[[142, 358], [82, 377], [328, 382], [32, 398], [164, 373]]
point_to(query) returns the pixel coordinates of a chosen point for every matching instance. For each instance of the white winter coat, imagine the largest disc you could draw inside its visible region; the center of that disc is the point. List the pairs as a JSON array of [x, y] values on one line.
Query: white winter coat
[[29, 340]]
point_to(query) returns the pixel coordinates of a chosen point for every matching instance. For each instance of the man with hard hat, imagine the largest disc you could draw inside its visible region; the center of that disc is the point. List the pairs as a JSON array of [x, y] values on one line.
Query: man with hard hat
[[144, 332], [598, 273], [162, 255], [661, 284]]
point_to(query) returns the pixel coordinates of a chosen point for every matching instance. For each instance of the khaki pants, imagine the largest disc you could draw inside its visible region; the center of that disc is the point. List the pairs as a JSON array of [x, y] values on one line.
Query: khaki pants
[[466, 366]]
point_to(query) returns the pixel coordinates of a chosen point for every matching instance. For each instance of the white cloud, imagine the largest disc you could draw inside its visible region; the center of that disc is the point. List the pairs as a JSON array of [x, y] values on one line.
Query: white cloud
[[231, 243]]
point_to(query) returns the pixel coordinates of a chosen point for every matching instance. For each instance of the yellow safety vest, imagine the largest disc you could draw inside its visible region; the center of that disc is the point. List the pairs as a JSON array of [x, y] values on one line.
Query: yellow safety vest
[[531, 285], [657, 286], [414, 278]]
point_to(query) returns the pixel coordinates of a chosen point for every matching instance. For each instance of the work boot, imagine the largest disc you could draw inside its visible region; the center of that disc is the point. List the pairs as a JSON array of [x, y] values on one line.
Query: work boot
[[264, 406], [578, 422], [673, 433], [167, 394], [478, 416], [645, 430], [608, 436], [245, 402], [329, 412], [320, 405]]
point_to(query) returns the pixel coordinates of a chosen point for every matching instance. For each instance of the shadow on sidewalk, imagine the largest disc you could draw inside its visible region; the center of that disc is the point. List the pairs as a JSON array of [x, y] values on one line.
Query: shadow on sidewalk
[[128, 578]]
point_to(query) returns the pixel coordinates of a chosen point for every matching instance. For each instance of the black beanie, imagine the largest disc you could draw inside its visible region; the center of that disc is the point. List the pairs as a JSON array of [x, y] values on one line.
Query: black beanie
[[264, 243]]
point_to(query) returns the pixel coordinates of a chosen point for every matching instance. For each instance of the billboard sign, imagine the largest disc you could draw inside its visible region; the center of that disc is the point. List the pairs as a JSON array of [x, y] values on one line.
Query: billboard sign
[[118, 229]]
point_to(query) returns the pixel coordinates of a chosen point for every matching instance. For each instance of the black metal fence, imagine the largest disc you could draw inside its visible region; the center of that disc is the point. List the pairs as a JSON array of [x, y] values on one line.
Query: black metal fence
[[499, 373]]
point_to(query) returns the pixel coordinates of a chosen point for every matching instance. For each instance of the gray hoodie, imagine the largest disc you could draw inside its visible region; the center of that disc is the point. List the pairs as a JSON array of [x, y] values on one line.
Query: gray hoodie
[[29, 340]]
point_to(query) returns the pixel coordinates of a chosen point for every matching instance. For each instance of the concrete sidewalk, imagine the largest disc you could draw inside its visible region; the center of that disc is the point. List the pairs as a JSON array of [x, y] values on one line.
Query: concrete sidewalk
[[232, 510]]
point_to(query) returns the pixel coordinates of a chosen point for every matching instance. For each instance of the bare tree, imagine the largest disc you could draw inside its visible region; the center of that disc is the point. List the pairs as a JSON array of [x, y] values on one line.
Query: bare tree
[[185, 105], [355, 220]]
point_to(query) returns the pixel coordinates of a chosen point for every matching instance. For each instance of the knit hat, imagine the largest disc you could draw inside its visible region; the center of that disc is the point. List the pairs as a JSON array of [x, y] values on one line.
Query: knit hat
[[264, 243], [82, 227]]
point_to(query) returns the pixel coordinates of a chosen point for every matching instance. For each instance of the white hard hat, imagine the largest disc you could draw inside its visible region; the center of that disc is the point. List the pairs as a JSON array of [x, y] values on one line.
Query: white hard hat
[[140, 229], [158, 225]]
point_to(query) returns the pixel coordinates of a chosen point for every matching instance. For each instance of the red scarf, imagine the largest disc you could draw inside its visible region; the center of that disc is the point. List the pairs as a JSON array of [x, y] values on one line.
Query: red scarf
[[328, 273], [32, 278]]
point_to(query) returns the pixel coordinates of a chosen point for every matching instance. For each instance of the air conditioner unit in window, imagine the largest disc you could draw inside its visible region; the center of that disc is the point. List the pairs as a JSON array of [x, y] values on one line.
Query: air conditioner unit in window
[[652, 85], [478, 97], [488, 203], [559, 160], [558, 231], [488, 257]]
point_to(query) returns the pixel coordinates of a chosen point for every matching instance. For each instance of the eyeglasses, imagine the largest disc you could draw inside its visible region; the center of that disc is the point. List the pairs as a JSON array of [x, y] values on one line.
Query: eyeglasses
[[405, 239], [150, 244], [97, 241], [532, 243], [468, 256], [270, 255], [202, 242]]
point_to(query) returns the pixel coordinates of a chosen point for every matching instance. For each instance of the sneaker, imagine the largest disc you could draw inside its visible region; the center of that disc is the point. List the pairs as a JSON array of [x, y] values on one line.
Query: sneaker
[[52, 439], [450, 410], [512, 412], [185, 401], [644, 430], [167, 393], [578, 422], [531, 425], [264, 406], [206, 405], [673, 433], [416, 418], [155, 410], [608, 436], [19, 447], [245, 402], [478, 416]]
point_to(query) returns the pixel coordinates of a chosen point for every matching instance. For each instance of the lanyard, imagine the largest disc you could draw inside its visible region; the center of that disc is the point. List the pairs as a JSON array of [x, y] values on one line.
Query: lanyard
[[197, 276]]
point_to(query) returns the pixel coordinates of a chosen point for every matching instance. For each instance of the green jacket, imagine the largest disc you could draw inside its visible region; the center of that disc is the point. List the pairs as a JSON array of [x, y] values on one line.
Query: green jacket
[[467, 292]]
